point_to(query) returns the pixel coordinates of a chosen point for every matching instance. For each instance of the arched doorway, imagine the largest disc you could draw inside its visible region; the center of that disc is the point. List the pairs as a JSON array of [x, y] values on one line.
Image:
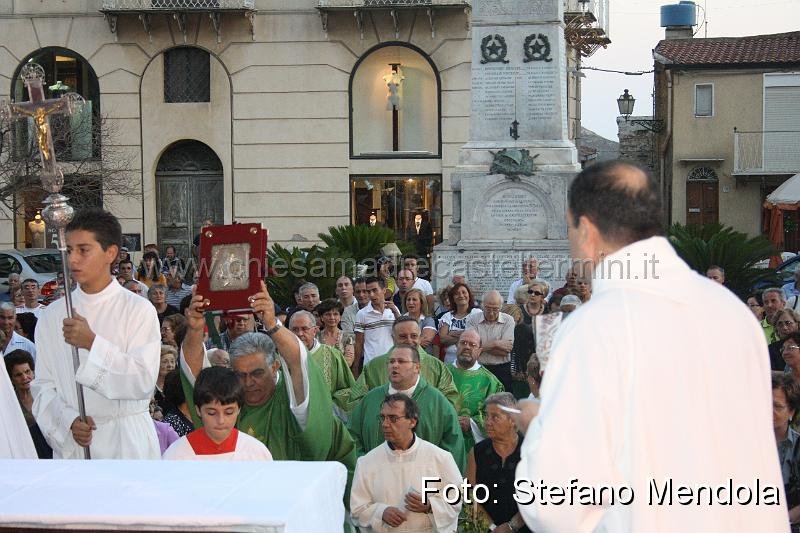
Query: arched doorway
[[189, 190], [76, 139]]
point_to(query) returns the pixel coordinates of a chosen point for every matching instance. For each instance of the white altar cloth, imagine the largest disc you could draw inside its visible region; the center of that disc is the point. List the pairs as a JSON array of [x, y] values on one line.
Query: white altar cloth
[[274, 496]]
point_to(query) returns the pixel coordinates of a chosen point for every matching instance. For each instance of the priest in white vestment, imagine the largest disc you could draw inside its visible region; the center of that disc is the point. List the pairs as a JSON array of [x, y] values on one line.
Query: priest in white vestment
[[119, 342], [661, 381], [15, 437], [388, 484]]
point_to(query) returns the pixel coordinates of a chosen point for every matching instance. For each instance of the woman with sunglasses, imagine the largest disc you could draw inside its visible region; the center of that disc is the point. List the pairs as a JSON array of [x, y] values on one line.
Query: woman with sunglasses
[[524, 336]]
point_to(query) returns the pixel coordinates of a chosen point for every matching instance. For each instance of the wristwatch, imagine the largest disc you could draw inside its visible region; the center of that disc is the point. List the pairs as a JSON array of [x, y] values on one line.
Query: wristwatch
[[271, 331]]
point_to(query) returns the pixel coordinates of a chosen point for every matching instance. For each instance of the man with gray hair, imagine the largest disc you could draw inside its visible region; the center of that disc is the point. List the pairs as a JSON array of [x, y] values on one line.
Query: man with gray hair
[[330, 361], [219, 357], [774, 302], [14, 281], [13, 340], [307, 299], [287, 403], [496, 330]]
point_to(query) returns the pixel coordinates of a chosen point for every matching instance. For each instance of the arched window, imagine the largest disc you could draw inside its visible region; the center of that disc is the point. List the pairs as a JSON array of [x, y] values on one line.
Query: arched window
[[395, 104], [187, 75], [77, 137]]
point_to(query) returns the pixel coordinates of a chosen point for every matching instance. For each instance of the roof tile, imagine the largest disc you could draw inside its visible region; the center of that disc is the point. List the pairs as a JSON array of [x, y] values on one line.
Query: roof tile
[[774, 48]]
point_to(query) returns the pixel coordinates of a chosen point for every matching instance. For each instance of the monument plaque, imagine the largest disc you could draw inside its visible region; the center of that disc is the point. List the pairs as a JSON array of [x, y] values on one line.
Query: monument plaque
[[519, 107]]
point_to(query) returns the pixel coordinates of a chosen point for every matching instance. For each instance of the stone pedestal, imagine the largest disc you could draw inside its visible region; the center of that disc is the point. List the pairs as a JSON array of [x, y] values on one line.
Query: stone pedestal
[[518, 76]]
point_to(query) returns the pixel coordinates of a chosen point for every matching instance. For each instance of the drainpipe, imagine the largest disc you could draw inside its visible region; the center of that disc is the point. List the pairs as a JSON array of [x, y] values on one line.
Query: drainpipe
[[662, 150]]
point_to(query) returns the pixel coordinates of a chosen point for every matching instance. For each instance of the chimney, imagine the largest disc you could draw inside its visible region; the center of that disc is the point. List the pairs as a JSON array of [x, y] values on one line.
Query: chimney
[[679, 19]]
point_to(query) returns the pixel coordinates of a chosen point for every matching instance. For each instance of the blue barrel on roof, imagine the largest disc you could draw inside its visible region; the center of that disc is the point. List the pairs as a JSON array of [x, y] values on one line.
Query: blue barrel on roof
[[683, 13]]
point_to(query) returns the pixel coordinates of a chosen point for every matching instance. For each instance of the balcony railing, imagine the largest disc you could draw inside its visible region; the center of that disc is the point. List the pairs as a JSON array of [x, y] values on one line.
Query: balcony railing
[[172, 5], [179, 10], [597, 9], [390, 3], [393, 7], [766, 152]]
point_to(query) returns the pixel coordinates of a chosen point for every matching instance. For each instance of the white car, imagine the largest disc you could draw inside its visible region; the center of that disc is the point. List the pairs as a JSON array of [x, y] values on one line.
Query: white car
[[41, 264]]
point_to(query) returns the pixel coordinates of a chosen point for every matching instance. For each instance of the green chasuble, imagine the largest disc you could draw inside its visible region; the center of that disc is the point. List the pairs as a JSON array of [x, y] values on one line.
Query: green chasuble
[[335, 372], [431, 368], [438, 421], [325, 437], [474, 386]]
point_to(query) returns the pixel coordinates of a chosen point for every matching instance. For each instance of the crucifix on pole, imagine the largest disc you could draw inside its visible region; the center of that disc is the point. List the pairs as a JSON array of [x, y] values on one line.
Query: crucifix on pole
[[58, 212]]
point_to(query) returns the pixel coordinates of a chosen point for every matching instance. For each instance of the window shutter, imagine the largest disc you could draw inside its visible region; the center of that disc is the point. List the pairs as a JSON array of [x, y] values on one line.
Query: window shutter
[[703, 100]]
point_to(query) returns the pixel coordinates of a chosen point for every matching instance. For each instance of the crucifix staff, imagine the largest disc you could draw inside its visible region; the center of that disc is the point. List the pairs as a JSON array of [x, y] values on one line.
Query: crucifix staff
[[58, 212]]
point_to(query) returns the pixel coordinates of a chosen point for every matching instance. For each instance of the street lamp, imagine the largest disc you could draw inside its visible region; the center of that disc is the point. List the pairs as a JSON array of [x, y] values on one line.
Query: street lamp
[[625, 103]]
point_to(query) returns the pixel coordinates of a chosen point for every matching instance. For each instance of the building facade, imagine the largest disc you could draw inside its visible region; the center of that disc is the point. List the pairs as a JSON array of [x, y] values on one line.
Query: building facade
[[299, 114], [730, 111]]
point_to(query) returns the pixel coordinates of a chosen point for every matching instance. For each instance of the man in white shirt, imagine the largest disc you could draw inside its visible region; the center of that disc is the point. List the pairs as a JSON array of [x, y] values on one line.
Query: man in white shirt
[[14, 341], [411, 262], [530, 269], [30, 291], [373, 327], [634, 395]]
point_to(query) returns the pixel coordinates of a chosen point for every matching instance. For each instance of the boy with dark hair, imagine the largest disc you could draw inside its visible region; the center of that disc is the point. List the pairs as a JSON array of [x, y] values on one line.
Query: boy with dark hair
[[119, 342], [218, 398]]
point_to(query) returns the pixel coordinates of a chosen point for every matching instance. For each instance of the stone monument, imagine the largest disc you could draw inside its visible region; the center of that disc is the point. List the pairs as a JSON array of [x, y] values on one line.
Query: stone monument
[[510, 187]]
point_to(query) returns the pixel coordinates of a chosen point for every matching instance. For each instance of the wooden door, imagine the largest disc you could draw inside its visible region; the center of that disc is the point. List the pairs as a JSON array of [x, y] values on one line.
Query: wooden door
[[190, 190], [702, 202]]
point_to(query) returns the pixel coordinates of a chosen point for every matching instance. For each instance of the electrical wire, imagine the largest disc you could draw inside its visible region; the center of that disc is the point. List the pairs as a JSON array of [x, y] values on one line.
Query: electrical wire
[[626, 72]]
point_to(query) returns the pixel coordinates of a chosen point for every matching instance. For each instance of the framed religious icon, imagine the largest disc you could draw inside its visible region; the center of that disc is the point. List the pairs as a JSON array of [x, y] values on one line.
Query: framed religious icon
[[232, 263]]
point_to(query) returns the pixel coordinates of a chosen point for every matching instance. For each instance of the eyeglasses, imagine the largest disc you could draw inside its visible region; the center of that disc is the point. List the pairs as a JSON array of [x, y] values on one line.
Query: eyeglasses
[[301, 329], [789, 347], [467, 343], [398, 361], [535, 293], [784, 323], [391, 418]]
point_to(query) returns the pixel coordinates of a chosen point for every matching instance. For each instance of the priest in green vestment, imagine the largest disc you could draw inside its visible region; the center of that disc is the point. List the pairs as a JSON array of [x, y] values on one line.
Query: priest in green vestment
[[438, 420], [405, 330], [329, 360], [473, 382], [288, 406]]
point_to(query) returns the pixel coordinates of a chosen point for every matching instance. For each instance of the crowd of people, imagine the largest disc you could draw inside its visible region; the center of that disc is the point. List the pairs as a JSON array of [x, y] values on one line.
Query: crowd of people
[[392, 379]]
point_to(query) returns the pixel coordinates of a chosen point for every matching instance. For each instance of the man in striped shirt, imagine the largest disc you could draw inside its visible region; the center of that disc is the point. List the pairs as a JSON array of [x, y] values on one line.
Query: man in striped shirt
[[373, 327]]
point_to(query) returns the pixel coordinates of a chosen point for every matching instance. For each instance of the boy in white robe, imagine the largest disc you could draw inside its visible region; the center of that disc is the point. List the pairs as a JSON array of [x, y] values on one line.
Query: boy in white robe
[[218, 398], [118, 340], [389, 493]]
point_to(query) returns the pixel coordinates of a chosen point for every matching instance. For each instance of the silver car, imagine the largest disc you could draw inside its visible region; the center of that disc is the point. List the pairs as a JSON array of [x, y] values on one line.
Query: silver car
[[41, 264]]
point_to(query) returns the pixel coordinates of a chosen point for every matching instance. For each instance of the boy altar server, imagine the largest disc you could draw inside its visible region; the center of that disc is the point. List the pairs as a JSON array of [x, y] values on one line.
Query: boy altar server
[[218, 398], [119, 346]]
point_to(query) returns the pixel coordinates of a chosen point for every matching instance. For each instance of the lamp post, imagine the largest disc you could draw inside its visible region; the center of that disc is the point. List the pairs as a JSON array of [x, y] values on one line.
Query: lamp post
[[625, 104]]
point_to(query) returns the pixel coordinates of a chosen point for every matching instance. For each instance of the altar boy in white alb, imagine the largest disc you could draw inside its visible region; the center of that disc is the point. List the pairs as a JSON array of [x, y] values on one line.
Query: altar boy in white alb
[[118, 340], [218, 398]]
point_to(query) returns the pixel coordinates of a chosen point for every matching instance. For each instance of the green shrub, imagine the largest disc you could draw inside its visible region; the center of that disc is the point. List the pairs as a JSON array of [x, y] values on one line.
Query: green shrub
[[734, 251]]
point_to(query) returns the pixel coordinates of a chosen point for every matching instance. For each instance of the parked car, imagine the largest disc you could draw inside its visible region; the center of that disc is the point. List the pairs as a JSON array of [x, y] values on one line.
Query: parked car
[[41, 264], [784, 273]]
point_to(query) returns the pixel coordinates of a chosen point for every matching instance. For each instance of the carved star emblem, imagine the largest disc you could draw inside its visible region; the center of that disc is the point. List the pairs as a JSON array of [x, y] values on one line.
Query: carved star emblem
[[537, 48], [494, 48]]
